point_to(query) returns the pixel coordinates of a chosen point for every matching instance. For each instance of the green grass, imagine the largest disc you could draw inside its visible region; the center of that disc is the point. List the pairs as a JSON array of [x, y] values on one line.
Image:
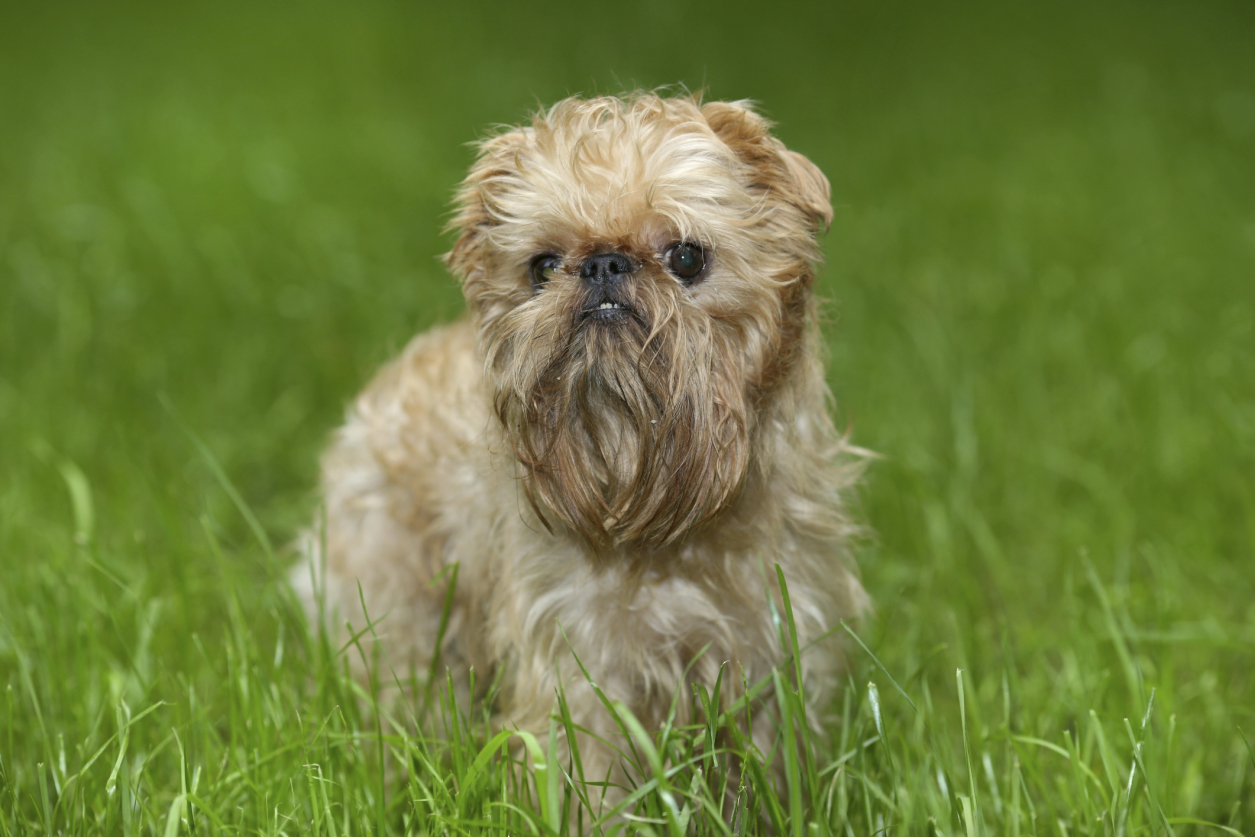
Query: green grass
[[217, 219]]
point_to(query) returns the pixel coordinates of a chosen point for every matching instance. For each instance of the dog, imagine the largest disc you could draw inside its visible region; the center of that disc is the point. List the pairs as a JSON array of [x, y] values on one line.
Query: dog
[[621, 440]]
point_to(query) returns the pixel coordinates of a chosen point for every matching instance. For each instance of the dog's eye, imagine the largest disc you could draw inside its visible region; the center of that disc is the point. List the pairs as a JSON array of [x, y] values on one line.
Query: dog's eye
[[543, 268], [686, 260]]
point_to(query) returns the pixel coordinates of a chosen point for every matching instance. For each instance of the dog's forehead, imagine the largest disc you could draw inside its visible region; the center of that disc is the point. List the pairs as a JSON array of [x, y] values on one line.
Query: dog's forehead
[[620, 179]]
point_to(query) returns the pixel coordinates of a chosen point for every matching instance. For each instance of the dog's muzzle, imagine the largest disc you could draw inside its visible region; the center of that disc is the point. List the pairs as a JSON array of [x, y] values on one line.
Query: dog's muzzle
[[604, 274], [606, 270]]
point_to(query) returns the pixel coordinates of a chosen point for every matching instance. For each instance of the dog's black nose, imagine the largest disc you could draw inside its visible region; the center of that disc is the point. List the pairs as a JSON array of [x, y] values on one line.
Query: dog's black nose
[[606, 268]]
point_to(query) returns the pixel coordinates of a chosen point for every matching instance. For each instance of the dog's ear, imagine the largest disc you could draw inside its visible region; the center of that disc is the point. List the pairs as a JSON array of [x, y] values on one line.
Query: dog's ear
[[777, 169], [473, 215], [813, 195]]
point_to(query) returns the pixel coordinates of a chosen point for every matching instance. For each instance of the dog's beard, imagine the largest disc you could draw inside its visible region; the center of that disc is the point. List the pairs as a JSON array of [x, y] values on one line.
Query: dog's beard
[[632, 425]]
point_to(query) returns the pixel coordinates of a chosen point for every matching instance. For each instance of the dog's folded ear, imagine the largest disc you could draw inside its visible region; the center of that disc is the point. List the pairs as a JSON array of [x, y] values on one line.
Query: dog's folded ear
[[788, 174], [473, 215], [813, 194]]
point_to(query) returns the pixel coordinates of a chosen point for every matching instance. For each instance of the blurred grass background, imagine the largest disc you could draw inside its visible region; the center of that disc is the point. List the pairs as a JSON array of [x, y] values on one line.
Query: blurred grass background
[[222, 217]]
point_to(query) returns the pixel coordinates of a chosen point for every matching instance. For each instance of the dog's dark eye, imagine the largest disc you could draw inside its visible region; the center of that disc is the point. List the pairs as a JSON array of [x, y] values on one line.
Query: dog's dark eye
[[543, 268], [686, 260]]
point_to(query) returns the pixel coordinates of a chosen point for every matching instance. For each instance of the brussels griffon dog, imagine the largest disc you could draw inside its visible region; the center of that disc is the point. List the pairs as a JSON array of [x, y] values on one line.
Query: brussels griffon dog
[[622, 439]]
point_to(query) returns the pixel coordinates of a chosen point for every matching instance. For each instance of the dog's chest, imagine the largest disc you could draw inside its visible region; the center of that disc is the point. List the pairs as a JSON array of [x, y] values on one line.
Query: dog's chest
[[638, 636]]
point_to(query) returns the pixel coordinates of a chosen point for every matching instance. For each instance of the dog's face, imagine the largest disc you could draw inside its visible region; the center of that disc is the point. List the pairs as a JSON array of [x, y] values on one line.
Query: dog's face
[[640, 271]]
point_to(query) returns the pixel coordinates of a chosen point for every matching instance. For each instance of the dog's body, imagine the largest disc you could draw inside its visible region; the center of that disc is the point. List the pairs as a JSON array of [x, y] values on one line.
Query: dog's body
[[624, 437]]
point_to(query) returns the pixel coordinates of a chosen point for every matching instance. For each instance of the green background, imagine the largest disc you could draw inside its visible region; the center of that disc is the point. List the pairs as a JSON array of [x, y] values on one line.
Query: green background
[[217, 219]]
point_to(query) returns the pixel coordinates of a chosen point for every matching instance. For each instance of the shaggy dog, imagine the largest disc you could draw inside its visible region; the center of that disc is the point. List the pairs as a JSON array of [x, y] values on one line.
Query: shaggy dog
[[625, 435]]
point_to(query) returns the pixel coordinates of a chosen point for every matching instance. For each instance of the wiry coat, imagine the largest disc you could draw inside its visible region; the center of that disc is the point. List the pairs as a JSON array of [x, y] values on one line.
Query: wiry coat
[[632, 478]]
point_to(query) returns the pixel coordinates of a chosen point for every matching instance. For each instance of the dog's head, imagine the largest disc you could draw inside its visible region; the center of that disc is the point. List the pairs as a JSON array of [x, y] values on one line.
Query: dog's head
[[640, 272]]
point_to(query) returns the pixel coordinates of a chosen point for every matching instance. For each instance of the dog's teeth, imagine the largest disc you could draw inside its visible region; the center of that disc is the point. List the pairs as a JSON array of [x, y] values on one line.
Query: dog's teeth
[[606, 305]]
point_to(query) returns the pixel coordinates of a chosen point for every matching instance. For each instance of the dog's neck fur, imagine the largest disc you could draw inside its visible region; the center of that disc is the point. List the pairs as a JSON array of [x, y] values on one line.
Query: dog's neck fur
[[780, 490]]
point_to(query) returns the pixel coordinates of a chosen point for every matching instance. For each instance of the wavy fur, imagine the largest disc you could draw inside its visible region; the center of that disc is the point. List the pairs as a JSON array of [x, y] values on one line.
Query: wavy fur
[[631, 478]]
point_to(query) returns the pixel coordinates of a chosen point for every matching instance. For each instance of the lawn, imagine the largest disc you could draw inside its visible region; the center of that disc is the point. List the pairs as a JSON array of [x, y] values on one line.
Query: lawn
[[217, 219]]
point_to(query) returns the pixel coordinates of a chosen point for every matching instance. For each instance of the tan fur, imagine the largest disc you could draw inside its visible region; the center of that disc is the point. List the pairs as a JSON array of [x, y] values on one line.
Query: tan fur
[[635, 480]]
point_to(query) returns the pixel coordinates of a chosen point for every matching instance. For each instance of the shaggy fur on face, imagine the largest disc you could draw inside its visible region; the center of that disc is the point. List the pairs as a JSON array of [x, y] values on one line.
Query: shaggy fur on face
[[637, 431], [624, 436]]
